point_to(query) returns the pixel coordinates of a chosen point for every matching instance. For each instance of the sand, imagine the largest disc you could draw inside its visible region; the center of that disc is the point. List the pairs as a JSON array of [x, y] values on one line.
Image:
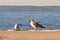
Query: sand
[[29, 35]]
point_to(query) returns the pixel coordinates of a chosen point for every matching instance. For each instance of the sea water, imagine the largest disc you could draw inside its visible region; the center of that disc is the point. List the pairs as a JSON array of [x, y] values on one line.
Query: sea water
[[49, 19]]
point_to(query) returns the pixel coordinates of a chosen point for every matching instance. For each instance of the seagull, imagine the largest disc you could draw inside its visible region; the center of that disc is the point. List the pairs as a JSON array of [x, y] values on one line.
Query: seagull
[[35, 24], [16, 27]]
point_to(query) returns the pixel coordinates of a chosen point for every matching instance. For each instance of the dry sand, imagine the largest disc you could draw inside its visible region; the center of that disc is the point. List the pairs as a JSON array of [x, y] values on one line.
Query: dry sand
[[29, 35]]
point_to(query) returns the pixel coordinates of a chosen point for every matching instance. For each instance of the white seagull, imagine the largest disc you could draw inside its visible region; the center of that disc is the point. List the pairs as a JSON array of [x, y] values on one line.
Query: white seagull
[[16, 27]]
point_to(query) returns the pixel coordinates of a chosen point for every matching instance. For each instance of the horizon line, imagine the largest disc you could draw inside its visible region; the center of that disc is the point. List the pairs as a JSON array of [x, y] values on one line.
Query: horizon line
[[29, 5]]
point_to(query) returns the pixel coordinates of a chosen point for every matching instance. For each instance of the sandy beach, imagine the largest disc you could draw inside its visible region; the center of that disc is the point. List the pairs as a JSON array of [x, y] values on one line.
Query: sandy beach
[[29, 35]]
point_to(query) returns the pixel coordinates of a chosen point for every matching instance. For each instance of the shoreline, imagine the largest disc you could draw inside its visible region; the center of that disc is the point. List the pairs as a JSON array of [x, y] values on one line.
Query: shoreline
[[29, 35]]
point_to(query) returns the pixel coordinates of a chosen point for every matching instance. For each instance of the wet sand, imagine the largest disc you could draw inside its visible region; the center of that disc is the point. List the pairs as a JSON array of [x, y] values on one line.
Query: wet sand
[[29, 35]]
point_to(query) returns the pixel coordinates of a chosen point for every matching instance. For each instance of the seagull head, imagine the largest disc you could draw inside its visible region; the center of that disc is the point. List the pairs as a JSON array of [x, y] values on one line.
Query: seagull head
[[31, 20]]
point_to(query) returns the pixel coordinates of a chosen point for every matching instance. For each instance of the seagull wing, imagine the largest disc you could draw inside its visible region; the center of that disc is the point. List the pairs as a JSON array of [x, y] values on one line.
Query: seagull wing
[[38, 25]]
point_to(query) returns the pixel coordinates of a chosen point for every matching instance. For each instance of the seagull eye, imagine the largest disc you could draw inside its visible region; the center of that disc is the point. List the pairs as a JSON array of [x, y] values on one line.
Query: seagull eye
[[32, 20]]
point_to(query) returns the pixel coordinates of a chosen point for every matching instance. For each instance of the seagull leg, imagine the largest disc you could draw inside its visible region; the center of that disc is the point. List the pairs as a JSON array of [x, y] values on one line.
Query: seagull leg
[[35, 29]]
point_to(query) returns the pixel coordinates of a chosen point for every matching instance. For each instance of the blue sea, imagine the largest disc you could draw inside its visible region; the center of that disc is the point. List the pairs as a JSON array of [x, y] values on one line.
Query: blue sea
[[49, 19]]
